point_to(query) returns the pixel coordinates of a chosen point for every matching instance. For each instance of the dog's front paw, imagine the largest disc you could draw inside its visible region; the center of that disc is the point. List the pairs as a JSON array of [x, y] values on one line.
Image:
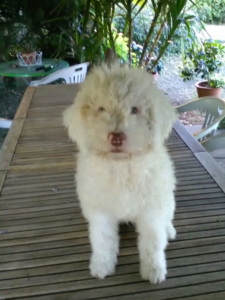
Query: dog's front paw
[[155, 274], [171, 231], [101, 266]]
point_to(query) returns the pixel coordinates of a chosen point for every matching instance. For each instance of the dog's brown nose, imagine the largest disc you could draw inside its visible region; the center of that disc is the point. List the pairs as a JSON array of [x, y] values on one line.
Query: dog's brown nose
[[117, 139]]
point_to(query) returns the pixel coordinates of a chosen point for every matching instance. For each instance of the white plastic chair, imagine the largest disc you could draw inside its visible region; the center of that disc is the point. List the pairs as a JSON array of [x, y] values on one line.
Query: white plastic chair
[[215, 142], [74, 74], [215, 112], [4, 123]]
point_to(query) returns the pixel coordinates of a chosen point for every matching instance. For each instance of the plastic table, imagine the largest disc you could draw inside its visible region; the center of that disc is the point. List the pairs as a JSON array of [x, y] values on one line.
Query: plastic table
[[7, 71]]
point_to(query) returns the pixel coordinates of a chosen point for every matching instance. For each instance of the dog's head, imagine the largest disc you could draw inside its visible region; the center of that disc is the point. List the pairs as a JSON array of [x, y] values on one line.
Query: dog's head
[[119, 111]]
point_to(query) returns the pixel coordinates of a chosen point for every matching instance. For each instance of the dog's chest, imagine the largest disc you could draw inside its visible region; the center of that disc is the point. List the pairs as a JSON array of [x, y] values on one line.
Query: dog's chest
[[120, 187]]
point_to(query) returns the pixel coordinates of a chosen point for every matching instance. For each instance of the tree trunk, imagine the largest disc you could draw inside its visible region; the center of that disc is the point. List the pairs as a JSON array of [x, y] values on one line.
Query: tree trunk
[[110, 57], [148, 39], [160, 55], [159, 32], [130, 32]]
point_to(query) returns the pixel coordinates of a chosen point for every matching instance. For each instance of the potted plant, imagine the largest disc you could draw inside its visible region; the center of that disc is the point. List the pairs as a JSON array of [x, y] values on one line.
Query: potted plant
[[157, 69], [206, 62]]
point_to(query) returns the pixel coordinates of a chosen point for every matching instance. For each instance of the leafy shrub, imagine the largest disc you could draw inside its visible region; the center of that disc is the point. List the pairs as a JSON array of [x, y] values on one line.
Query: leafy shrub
[[222, 124], [82, 29], [216, 81], [212, 11], [204, 61], [120, 46]]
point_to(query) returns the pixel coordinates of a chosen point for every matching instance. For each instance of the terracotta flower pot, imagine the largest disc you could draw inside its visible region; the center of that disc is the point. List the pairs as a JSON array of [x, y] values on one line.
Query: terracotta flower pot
[[203, 90], [155, 76]]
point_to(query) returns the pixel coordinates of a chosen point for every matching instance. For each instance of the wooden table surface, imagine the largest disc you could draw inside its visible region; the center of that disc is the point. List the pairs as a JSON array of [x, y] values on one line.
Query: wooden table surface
[[44, 247]]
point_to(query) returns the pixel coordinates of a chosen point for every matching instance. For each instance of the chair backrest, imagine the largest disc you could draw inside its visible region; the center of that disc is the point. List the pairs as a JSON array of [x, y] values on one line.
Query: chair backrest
[[215, 112], [215, 142], [73, 74], [5, 123]]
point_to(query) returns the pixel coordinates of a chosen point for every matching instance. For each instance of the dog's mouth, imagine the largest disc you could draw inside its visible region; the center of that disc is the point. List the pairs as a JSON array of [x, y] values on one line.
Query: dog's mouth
[[116, 150]]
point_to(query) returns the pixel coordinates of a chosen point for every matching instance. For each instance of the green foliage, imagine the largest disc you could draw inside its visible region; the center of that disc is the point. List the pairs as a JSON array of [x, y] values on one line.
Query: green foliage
[[212, 11], [204, 61], [222, 124], [171, 15], [153, 68], [216, 81], [140, 22], [29, 25], [187, 72], [89, 32], [83, 29], [121, 46]]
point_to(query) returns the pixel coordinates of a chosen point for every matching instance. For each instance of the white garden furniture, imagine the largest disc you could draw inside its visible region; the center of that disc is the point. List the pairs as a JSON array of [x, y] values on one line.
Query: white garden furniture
[[215, 142], [74, 74], [4, 123], [215, 111]]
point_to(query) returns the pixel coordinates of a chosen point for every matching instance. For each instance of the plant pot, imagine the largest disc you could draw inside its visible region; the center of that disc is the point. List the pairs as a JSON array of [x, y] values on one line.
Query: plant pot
[[155, 76], [29, 58], [203, 90]]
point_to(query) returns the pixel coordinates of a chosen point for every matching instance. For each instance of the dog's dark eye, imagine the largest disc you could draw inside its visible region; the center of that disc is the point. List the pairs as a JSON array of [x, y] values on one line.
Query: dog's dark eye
[[134, 110], [101, 109]]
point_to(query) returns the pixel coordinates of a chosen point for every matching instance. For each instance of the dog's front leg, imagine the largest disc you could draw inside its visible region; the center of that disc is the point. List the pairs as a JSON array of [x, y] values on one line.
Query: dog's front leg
[[152, 243], [104, 238]]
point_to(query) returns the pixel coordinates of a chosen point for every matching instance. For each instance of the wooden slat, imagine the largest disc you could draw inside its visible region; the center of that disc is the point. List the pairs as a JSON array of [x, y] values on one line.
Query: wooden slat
[[186, 136], [2, 179], [70, 248], [216, 295], [115, 280], [171, 289], [73, 275], [25, 103], [10, 143], [213, 168], [60, 166]]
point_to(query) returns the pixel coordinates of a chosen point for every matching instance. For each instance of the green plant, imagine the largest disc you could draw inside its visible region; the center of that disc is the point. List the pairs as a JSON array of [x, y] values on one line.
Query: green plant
[[90, 30], [29, 25], [212, 11], [216, 81], [96, 30], [152, 68], [204, 61], [171, 14], [187, 72], [83, 29], [121, 46], [222, 124], [139, 26], [130, 9]]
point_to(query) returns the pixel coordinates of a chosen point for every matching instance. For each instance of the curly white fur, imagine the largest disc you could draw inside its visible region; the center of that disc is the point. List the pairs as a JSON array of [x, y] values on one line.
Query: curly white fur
[[136, 185]]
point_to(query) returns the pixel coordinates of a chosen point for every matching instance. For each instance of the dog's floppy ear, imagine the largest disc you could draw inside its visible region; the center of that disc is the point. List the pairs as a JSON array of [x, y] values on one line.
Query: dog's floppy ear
[[71, 120], [168, 118], [164, 114]]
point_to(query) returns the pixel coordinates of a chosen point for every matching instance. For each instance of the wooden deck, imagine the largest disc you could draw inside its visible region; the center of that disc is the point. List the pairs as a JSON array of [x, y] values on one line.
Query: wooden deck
[[44, 247]]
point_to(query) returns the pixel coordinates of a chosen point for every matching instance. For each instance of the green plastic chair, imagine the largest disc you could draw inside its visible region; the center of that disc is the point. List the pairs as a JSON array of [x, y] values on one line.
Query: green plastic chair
[[215, 112], [215, 142]]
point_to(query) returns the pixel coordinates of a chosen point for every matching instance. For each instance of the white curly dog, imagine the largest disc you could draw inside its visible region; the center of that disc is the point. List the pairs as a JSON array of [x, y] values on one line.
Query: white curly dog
[[120, 121]]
